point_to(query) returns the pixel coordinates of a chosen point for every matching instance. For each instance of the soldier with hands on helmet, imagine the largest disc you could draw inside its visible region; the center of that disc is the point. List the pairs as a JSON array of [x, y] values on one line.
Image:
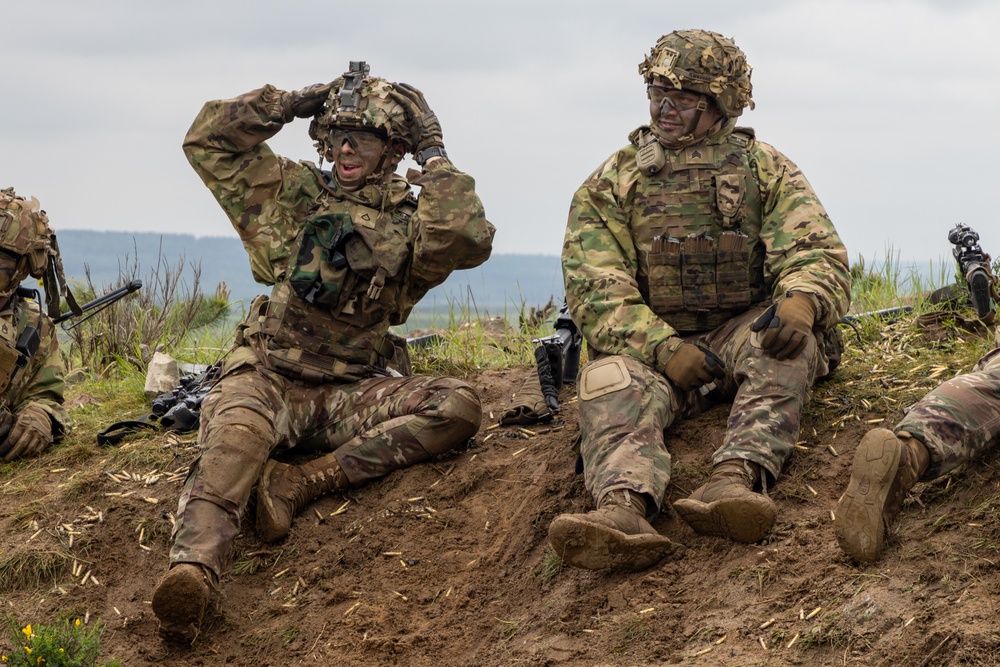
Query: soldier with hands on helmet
[[31, 371], [701, 268], [951, 425], [348, 252]]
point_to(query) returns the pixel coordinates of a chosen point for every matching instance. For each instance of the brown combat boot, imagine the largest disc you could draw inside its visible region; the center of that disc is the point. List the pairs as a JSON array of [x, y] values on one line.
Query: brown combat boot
[[615, 535], [285, 489], [727, 505], [180, 600], [885, 468]]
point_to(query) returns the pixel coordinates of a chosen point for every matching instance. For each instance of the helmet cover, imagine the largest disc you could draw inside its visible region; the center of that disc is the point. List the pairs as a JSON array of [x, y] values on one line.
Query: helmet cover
[[25, 232], [359, 102], [704, 62]]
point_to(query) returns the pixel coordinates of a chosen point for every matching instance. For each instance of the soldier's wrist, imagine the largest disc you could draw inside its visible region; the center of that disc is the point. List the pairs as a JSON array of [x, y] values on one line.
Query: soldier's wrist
[[276, 104], [664, 352]]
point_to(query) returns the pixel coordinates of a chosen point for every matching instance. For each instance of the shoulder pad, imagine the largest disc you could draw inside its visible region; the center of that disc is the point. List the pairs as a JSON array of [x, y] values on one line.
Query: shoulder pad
[[743, 136]]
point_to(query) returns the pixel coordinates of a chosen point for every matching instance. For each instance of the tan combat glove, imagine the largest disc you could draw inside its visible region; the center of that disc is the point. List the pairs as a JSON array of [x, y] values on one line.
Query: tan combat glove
[[787, 326], [693, 366], [31, 434]]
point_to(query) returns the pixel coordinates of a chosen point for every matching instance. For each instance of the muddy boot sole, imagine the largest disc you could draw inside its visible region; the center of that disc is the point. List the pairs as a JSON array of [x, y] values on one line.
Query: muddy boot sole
[[745, 517], [858, 518], [270, 527], [592, 546], [179, 602]]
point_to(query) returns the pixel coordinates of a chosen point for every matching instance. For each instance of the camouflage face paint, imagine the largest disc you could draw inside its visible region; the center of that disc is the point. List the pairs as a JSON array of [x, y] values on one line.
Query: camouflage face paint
[[356, 155]]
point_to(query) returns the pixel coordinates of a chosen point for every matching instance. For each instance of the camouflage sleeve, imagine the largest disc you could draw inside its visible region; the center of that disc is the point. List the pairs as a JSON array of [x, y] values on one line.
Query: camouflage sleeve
[[450, 231], [265, 195], [600, 263], [43, 382], [804, 251]]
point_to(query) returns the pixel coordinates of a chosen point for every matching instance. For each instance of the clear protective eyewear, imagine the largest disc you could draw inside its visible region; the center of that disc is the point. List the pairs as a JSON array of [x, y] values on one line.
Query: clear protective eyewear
[[681, 100]]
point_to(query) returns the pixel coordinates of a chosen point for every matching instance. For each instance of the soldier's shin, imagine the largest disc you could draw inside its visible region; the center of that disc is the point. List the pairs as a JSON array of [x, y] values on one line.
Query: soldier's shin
[[456, 420]]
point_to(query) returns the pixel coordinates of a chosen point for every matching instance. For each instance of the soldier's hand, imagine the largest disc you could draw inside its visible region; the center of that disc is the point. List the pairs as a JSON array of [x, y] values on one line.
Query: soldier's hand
[[305, 103], [425, 129], [787, 326], [31, 434], [692, 366]]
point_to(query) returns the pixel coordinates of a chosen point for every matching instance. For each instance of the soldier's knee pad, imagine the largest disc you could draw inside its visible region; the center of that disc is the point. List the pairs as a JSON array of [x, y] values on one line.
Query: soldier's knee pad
[[235, 447], [458, 418], [603, 377]]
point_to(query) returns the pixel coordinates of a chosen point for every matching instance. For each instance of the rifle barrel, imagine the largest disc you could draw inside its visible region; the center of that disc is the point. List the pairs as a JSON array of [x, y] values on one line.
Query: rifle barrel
[[102, 300]]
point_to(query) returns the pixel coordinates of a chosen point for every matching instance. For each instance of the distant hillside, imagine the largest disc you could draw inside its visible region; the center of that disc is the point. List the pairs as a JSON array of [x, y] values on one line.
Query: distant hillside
[[500, 286]]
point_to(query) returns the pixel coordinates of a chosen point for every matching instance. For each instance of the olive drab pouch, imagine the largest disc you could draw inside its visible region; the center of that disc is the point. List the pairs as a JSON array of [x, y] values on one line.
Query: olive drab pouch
[[698, 273], [665, 286], [732, 270], [321, 264]]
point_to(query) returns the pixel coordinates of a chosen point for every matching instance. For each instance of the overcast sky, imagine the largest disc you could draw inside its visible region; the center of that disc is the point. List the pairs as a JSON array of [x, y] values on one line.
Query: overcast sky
[[887, 106]]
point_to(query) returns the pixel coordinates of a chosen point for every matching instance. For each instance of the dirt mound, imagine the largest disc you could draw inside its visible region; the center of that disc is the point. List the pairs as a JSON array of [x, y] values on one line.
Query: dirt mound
[[447, 563]]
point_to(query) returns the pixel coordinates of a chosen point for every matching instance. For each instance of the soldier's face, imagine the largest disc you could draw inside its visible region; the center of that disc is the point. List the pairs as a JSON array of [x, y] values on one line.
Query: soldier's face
[[673, 112], [356, 157]]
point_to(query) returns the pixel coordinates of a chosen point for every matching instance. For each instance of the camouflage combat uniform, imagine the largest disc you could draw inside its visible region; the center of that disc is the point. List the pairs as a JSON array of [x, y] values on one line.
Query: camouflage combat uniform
[[958, 420], [41, 382], [31, 378], [307, 373], [635, 308]]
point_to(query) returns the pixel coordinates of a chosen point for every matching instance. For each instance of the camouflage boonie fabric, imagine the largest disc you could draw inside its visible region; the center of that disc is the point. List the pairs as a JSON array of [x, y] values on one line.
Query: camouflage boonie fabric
[[960, 419]]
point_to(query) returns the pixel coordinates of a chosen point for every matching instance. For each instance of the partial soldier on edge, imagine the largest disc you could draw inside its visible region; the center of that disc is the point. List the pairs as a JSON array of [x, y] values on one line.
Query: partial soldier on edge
[[32, 384], [348, 252], [951, 425], [701, 268]]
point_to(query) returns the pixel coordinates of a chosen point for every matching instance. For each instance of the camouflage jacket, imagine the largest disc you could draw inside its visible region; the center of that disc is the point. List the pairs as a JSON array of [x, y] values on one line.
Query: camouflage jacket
[[271, 200], [607, 243], [41, 381]]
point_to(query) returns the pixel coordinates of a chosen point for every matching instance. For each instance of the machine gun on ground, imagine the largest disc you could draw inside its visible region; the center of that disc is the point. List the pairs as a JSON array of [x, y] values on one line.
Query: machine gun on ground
[[180, 409], [557, 357], [974, 265], [97, 305]]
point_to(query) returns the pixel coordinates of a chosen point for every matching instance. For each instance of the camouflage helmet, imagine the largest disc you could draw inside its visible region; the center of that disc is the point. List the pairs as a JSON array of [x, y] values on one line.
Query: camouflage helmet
[[360, 102], [704, 62], [25, 232]]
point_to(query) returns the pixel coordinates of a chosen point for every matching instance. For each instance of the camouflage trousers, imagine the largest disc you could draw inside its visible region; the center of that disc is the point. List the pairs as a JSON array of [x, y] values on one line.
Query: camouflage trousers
[[623, 424], [372, 426], [959, 419]]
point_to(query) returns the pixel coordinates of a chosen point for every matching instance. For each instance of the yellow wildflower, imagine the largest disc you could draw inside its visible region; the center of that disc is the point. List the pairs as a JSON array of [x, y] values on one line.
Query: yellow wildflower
[[77, 624], [28, 632], [27, 649]]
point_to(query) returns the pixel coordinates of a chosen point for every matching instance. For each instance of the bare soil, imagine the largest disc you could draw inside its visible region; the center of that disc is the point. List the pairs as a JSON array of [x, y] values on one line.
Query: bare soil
[[447, 563]]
